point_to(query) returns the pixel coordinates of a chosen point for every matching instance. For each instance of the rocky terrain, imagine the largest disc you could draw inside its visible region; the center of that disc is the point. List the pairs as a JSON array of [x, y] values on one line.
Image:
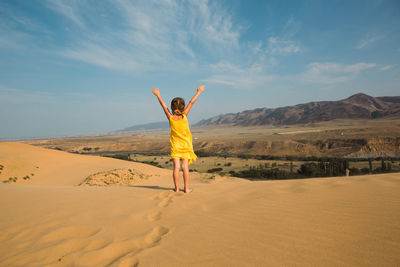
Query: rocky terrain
[[337, 138], [359, 106]]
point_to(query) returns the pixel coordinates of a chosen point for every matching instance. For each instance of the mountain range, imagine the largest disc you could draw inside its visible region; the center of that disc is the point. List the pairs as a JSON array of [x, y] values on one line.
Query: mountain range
[[358, 106], [145, 127]]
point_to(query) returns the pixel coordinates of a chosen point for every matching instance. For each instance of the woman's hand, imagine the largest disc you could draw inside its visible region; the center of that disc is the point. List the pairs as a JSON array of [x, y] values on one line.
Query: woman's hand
[[156, 92], [200, 88]]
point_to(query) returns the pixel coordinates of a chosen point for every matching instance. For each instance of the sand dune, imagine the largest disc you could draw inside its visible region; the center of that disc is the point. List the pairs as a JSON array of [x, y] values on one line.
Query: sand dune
[[53, 167], [49, 220]]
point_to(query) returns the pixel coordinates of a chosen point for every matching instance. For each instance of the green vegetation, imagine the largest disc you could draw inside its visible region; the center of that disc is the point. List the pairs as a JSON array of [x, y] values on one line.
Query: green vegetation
[[323, 168], [214, 170], [154, 163], [128, 158], [11, 179], [118, 156], [14, 179], [261, 173], [258, 167]]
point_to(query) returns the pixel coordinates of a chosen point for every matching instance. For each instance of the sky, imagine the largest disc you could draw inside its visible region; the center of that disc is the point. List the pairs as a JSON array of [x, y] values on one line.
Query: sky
[[81, 67]]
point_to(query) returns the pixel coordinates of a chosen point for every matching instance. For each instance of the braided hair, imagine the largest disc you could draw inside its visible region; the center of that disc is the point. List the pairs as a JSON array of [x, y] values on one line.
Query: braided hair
[[178, 106]]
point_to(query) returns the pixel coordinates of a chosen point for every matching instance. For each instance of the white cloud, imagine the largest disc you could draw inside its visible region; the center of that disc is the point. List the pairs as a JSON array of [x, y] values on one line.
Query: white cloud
[[330, 73], [154, 34], [283, 43], [291, 28], [262, 56], [215, 25], [13, 39], [281, 47], [226, 73], [18, 31], [255, 47], [101, 56], [368, 40], [387, 67], [68, 9]]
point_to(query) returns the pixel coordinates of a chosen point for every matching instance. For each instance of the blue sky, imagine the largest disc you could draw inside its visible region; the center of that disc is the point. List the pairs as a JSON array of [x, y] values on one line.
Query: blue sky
[[87, 67]]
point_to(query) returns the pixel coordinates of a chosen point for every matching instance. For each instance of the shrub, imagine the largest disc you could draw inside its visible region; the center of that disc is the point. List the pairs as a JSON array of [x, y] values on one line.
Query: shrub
[[355, 171], [262, 173], [365, 170], [325, 167], [310, 170], [154, 163], [214, 170], [121, 156]]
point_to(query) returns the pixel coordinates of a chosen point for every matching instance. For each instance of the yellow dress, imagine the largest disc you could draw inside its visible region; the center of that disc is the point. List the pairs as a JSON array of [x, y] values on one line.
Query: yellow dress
[[181, 139]]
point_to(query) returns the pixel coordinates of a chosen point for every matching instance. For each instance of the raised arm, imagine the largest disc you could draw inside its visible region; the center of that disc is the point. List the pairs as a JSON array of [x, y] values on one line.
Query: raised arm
[[191, 102], [156, 92]]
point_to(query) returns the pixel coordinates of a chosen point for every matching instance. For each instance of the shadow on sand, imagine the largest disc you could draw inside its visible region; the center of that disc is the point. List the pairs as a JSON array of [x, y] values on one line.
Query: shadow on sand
[[152, 187]]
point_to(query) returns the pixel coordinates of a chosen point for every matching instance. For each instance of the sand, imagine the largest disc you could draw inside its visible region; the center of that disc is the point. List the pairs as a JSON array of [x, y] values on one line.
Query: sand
[[132, 218]]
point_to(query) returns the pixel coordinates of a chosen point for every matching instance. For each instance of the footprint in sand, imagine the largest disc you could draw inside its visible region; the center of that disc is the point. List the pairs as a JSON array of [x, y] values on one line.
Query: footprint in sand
[[154, 216], [123, 253], [162, 195], [165, 202], [150, 240], [154, 237], [128, 262], [166, 198]]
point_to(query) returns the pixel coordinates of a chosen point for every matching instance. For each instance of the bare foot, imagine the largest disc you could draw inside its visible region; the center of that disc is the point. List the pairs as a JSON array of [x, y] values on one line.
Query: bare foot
[[176, 190], [187, 191]]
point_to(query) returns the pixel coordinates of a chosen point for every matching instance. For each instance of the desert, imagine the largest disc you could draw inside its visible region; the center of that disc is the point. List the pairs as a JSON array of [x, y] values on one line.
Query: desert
[[264, 195], [58, 217], [199, 133]]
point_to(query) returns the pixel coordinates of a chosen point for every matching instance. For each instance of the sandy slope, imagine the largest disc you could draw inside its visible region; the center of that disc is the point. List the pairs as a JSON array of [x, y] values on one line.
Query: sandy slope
[[231, 222], [53, 167]]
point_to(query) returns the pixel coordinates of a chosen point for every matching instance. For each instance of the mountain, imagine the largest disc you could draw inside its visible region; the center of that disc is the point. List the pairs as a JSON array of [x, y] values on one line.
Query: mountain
[[358, 106], [145, 127]]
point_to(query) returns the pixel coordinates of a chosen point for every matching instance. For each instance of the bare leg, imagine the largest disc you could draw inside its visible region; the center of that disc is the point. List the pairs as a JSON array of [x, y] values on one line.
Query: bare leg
[[176, 174], [185, 170]]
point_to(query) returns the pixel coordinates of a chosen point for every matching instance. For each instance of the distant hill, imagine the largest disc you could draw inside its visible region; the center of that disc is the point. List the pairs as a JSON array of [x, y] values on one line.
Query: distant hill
[[358, 106], [145, 127]]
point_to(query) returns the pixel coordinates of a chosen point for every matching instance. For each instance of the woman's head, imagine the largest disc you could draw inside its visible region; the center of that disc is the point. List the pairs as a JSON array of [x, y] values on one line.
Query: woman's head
[[177, 106]]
